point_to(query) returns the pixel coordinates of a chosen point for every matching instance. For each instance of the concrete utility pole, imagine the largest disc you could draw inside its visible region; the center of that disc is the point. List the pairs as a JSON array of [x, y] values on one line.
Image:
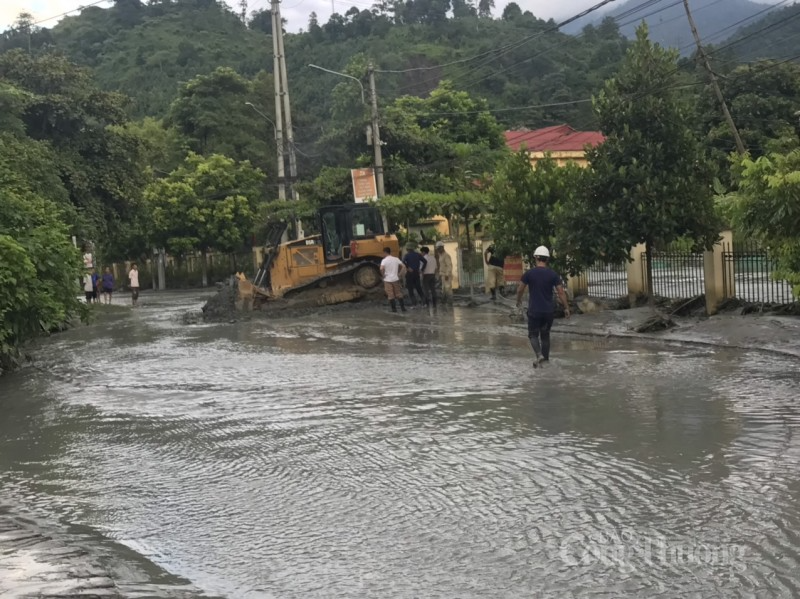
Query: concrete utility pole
[[282, 81], [276, 76], [739, 143], [376, 135]]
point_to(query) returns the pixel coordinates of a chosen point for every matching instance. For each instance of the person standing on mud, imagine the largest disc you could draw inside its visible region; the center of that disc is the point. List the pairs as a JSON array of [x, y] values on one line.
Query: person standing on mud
[[391, 270], [429, 276], [133, 277], [496, 276], [96, 286], [414, 264], [444, 270], [540, 282], [88, 287], [107, 285]]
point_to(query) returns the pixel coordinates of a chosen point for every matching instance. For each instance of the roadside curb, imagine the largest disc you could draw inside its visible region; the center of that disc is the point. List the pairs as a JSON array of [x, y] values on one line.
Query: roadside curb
[[669, 336]]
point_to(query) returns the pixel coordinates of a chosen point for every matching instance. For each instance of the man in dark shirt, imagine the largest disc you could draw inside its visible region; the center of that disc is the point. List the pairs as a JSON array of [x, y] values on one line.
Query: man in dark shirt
[[414, 265], [540, 282]]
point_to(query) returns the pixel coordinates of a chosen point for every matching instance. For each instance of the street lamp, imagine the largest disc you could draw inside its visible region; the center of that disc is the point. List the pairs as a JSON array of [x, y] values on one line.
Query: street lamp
[[361, 85], [265, 117], [279, 148]]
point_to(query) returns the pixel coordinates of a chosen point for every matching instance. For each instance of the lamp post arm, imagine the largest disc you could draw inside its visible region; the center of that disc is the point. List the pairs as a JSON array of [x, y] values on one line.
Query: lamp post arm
[[356, 79], [264, 116]]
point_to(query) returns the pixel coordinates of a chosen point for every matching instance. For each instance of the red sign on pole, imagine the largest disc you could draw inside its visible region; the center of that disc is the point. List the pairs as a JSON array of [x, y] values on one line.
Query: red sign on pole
[[364, 187]]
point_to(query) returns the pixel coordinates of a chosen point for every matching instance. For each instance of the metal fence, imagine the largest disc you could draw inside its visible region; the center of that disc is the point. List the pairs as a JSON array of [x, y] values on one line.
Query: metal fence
[[677, 273], [471, 268], [747, 273], [607, 280]]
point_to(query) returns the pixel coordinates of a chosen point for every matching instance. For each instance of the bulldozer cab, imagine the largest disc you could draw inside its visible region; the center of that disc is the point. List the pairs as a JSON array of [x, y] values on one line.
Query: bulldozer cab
[[340, 225]]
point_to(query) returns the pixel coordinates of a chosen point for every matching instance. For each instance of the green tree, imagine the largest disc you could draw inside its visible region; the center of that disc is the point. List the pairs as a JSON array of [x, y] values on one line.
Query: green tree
[[100, 165], [768, 207], [164, 147], [652, 182], [39, 266], [764, 99], [524, 202], [207, 203], [212, 113]]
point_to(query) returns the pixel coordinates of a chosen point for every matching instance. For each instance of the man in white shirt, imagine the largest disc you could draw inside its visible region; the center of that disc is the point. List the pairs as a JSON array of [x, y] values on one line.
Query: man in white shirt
[[392, 269], [133, 277]]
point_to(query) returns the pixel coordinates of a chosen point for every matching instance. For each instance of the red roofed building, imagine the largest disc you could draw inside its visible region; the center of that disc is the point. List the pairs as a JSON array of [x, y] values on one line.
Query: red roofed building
[[562, 142]]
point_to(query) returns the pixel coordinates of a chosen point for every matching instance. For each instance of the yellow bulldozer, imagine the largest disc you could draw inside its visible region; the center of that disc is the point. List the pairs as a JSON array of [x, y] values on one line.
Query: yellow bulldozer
[[340, 264]]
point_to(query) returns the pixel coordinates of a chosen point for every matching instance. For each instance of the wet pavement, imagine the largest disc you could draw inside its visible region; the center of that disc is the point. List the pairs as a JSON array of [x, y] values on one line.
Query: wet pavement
[[365, 454]]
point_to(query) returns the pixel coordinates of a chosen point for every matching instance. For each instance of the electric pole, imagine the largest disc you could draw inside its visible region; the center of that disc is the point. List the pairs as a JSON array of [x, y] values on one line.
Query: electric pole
[[376, 135], [283, 111], [287, 108], [276, 76], [739, 143]]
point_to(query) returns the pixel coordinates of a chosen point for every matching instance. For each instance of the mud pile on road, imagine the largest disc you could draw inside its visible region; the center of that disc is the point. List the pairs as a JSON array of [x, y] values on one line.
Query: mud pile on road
[[226, 307], [222, 306]]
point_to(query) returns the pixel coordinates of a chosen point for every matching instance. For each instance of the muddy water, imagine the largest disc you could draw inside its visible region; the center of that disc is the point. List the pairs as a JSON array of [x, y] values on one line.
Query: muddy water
[[373, 455]]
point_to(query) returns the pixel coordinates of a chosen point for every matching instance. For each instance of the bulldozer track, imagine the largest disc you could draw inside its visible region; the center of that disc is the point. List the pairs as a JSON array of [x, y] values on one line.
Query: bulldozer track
[[331, 277]]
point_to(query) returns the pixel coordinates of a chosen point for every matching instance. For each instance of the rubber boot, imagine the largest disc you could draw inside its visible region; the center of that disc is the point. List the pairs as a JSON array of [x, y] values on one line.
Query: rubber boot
[[402, 306], [393, 304]]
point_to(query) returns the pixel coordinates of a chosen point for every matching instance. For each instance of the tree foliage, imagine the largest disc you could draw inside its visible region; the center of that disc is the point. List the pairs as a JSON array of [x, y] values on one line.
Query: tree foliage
[[525, 202], [651, 180], [100, 165], [768, 207], [39, 266], [206, 203]]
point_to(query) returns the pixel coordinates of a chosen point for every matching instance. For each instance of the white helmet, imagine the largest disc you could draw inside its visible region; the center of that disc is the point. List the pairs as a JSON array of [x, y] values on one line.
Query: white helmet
[[541, 252]]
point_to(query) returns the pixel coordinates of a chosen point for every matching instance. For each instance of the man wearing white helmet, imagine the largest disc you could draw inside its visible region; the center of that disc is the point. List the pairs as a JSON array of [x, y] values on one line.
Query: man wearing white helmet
[[540, 282]]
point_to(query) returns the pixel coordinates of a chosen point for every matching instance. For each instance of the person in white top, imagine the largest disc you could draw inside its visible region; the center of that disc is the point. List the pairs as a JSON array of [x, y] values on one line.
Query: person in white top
[[133, 277], [88, 287], [392, 269], [429, 276]]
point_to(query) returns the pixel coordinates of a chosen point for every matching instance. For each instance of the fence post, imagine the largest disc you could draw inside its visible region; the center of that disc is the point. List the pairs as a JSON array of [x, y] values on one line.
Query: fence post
[[713, 265], [578, 285], [637, 283], [728, 266]]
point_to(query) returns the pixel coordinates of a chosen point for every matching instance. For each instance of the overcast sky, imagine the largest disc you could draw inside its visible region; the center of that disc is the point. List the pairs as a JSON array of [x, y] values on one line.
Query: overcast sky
[[295, 11]]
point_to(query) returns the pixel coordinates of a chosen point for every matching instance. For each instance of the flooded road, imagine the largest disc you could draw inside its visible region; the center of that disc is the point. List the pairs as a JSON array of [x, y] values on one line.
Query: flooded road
[[365, 454]]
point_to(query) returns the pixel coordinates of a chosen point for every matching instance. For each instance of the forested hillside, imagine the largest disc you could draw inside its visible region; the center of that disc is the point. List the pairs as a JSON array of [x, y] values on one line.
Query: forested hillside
[[145, 51], [715, 19], [776, 36]]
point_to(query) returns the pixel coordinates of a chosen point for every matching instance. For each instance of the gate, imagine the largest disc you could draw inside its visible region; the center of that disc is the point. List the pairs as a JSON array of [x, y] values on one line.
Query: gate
[[470, 268], [747, 274], [677, 274], [607, 280]]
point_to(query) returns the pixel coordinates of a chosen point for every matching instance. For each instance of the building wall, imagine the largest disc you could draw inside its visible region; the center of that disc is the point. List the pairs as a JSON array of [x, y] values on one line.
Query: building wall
[[561, 158]]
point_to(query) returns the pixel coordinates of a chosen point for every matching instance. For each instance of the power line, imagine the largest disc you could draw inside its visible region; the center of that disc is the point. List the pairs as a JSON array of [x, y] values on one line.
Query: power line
[[505, 48]]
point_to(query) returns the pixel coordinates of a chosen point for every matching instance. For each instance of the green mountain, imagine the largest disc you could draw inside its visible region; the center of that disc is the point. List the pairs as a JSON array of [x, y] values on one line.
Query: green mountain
[[776, 36], [715, 19], [147, 50]]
